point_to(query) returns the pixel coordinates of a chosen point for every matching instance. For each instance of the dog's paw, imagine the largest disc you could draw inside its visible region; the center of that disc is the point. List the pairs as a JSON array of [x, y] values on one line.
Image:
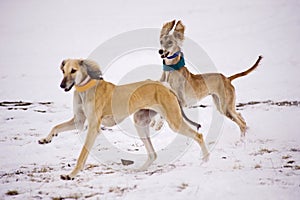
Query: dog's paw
[[243, 139], [205, 158], [44, 141], [159, 125], [152, 123], [66, 177]]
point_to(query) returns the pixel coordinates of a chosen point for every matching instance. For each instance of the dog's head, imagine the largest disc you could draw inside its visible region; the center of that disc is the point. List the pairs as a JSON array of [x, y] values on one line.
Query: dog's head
[[171, 43], [75, 71]]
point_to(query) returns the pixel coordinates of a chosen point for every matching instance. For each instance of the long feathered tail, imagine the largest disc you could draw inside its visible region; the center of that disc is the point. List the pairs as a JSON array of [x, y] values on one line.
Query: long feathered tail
[[244, 73]]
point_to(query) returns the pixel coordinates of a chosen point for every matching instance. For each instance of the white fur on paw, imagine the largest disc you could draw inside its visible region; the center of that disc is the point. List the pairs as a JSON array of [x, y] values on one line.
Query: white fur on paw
[[152, 123], [159, 125]]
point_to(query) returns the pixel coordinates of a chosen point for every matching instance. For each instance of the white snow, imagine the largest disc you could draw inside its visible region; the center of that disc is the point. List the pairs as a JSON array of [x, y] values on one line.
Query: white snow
[[35, 36]]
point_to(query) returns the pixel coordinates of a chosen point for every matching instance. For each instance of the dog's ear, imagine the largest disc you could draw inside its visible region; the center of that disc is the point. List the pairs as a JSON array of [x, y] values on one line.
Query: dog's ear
[[167, 27], [62, 64], [179, 31], [92, 68]]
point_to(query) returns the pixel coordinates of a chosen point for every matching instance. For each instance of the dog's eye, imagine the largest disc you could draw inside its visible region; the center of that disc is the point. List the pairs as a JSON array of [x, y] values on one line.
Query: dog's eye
[[170, 42], [73, 71]]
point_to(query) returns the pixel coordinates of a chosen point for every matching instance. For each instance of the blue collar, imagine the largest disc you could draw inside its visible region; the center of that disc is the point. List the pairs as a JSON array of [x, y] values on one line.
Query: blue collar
[[177, 66], [174, 55]]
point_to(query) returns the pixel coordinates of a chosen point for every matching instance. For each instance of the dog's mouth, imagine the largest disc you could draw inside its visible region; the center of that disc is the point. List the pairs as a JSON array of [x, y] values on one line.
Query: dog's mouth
[[69, 88], [163, 53]]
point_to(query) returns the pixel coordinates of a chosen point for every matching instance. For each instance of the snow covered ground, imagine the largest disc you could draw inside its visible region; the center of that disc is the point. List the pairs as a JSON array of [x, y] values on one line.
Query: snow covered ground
[[36, 36]]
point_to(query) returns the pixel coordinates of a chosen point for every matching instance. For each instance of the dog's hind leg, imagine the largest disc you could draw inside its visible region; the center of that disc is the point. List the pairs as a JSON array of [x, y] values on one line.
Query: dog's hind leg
[[217, 103], [228, 106], [238, 119], [180, 126], [144, 136], [198, 137], [142, 120], [225, 103]]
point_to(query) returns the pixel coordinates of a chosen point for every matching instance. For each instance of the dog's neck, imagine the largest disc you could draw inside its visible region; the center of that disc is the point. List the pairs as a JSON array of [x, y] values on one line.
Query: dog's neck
[[86, 84], [85, 81], [173, 60], [174, 63]]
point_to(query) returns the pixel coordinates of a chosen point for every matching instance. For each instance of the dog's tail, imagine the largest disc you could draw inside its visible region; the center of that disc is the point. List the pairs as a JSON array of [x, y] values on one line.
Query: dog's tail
[[247, 71], [197, 125]]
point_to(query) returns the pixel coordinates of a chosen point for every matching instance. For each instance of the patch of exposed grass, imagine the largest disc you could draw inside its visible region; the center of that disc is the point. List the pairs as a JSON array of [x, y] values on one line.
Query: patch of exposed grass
[[12, 192]]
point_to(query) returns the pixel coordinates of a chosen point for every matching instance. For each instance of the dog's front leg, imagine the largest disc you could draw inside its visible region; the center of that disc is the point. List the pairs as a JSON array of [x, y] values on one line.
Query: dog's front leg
[[163, 77], [66, 126], [92, 134], [181, 97], [178, 85]]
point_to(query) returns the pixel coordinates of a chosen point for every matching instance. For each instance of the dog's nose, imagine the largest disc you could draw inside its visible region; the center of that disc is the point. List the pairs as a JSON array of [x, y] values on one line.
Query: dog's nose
[[63, 84], [161, 51]]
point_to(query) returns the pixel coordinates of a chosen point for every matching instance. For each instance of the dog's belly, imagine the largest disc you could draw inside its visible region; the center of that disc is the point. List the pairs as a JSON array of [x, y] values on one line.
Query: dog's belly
[[108, 121], [191, 101]]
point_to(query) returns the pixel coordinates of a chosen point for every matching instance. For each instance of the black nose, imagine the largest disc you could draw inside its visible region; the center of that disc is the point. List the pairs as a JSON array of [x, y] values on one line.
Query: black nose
[[161, 51], [63, 83]]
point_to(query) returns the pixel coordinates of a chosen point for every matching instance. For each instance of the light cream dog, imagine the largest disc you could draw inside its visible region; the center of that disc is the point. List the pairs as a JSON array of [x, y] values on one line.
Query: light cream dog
[[191, 88], [100, 102]]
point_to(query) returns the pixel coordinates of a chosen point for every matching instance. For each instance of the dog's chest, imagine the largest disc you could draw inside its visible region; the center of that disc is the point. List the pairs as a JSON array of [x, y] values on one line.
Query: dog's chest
[[167, 76]]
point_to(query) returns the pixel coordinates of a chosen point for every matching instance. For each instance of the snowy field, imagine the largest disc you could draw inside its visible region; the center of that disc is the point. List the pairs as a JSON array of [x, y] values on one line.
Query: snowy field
[[36, 36]]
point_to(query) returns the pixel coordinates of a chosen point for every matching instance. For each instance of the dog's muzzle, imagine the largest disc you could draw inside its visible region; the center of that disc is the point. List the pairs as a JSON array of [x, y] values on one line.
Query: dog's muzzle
[[70, 87], [163, 55], [64, 86]]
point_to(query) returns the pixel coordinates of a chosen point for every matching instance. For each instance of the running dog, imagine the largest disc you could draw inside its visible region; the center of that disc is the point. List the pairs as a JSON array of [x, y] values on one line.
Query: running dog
[[191, 88], [100, 102]]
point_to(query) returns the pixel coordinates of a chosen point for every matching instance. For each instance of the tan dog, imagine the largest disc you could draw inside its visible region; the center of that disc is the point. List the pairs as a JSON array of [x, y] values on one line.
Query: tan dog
[[191, 88], [100, 102]]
